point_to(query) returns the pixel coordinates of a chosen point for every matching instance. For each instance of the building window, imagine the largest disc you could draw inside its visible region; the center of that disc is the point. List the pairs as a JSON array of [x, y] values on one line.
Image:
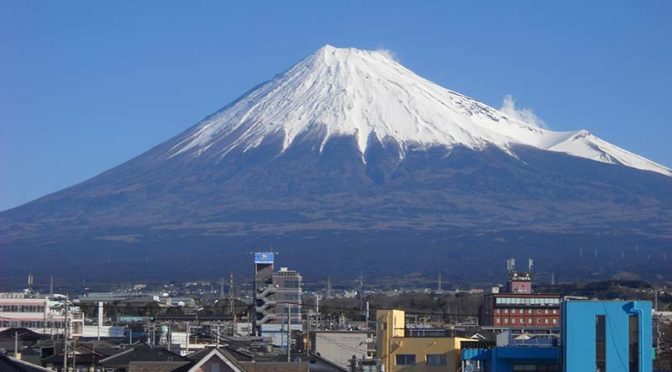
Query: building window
[[405, 359], [437, 360], [496, 311], [555, 321], [506, 311], [529, 321], [633, 337], [600, 344], [529, 311], [291, 284], [506, 320], [555, 311]]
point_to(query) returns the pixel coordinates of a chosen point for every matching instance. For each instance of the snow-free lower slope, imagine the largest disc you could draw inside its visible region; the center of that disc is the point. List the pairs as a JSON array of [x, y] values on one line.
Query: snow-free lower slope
[[363, 93]]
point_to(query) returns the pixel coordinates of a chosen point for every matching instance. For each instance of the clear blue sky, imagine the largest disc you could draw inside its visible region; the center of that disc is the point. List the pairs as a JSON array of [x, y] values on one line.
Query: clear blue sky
[[87, 85]]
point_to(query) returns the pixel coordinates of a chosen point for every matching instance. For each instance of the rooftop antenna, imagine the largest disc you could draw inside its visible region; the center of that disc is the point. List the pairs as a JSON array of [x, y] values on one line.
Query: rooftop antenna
[[51, 286], [511, 265], [530, 265], [30, 280]]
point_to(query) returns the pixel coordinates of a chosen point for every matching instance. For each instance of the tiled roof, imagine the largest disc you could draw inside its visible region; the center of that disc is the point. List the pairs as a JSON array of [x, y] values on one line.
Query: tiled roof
[[143, 353], [8, 364]]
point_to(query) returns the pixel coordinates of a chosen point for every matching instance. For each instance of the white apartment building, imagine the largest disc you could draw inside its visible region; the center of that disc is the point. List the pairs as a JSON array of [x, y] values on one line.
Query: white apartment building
[[39, 314]]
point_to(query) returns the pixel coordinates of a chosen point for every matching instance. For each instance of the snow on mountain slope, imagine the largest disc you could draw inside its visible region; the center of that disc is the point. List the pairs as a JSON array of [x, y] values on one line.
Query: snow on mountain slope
[[586, 145], [361, 93]]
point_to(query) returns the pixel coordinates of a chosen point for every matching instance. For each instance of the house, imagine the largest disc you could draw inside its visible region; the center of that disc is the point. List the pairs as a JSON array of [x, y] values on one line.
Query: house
[[9, 364], [144, 356]]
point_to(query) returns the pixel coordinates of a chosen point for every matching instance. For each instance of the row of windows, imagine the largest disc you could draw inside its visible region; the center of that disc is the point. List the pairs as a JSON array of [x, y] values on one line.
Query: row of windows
[[291, 298], [529, 311], [21, 308], [432, 359], [527, 301], [29, 324], [292, 284], [522, 321]]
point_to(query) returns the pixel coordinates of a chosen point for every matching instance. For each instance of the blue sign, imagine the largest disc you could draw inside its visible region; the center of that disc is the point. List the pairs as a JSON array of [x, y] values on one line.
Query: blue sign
[[263, 257]]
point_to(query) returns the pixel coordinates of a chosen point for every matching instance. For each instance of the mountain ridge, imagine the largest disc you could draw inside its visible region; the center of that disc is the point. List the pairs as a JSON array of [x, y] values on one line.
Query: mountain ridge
[[338, 91], [319, 197]]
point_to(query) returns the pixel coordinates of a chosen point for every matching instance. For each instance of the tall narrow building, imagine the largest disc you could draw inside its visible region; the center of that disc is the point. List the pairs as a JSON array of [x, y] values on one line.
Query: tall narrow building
[[277, 300], [262, 292]]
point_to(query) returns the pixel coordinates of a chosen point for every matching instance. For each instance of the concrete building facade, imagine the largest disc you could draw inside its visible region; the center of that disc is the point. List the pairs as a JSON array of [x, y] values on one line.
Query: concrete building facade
[[277, 300], [614, 336], [339, 347], [518, 311], [40, 315], [399, 352]]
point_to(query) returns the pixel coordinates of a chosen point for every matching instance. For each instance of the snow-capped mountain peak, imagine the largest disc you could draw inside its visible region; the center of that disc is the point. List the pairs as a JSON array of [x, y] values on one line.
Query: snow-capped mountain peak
[[360, 93]]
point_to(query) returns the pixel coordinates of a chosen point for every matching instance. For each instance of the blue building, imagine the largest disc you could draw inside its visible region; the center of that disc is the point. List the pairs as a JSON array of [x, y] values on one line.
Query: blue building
[[596, 336], [511, 358], [613, 336]]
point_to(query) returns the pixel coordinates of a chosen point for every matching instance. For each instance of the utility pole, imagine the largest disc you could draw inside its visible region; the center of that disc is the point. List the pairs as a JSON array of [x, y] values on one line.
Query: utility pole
[[305, 344], [74, 354], [361, 294], [187, 350], [153, 341], [328, 287], [221, 287], [367, 315], [65, 336], [289, 341], [232, 309], [217, 336], [655, 299], [16, 345]]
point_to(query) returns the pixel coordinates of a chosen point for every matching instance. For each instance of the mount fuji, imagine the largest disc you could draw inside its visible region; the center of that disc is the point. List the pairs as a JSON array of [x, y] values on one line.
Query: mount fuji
[[350, 161]]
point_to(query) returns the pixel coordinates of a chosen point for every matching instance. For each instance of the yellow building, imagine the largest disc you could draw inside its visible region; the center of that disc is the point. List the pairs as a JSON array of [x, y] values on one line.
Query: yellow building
[[399, 351]]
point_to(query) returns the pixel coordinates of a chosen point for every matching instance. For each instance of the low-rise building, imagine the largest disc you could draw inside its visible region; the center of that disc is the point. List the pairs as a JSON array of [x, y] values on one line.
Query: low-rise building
[[39, 314], [339, 347], [607, 336], [521, 311], [600, 336], [401, 349]]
